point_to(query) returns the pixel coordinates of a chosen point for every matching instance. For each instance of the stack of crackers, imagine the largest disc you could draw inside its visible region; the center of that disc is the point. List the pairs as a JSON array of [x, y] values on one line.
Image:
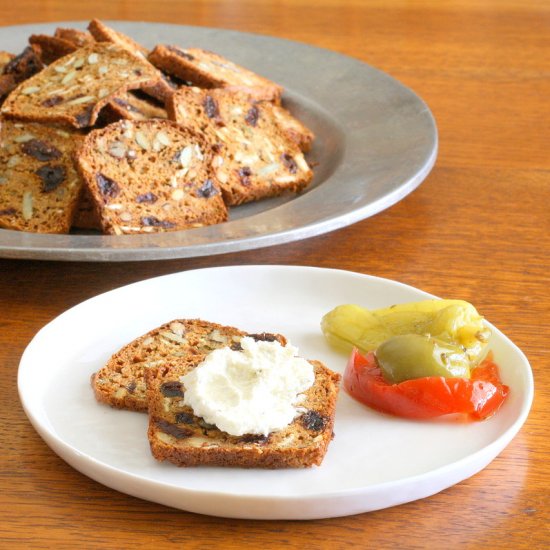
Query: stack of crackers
[[145, 376], [97, 132]]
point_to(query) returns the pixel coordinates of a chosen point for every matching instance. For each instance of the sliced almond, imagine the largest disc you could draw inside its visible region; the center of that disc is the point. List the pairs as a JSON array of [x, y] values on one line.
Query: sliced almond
[[23, 138], [222, 176], [142, 141], [198, 152], [268, 169], [163, 138], [13, 161], [68, 77], [30, 90], [117, 149], [186, 156], [301, 162], [80, 100], [217, 336], [27, 206], [177, 328], [177, 194], [171, 335]]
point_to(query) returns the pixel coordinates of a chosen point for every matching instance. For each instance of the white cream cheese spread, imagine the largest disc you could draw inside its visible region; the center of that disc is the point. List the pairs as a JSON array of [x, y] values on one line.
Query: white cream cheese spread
[[253, 391]]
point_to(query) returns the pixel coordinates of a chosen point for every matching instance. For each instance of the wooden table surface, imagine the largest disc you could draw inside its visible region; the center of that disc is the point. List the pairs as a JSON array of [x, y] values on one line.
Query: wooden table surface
[[477, 228]]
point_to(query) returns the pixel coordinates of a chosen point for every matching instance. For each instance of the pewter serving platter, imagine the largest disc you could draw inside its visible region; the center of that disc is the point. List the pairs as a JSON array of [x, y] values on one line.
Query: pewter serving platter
[[376, 141]]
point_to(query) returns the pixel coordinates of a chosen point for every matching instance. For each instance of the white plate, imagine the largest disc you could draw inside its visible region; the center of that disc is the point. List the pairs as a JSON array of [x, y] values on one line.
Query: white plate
[[375, 461], [375, 143]]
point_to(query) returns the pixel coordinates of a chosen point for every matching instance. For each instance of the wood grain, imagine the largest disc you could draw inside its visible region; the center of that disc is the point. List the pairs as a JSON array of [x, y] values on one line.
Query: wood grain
[[478, 228]]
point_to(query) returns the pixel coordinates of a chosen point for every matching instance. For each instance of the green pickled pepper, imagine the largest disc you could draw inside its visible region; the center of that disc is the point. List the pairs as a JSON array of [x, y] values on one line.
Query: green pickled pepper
[[452, 323], [411, 356]]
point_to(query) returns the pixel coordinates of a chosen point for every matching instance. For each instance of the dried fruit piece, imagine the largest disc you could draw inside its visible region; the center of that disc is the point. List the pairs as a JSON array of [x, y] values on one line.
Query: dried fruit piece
[[252, 116], [126, 105], [41, 150], [51, 101], [207, 190], [289, 163], [173, 429], [314, 421], [152, 221], [51, 176], [265, 337], [107, 187], [244, 174], [8, 212], [172, 388], [147, 197], [185, 418], [211, 107]]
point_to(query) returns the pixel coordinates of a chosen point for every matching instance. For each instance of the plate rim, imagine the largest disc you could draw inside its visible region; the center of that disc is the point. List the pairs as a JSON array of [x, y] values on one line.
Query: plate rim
[[208, 241], [473, 462]]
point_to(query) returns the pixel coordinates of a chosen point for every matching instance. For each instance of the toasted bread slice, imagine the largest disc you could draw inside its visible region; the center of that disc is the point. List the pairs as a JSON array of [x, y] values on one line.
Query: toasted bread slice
[[130, 106], [294, 129], [50, 48], [73, 89], [76, 36], [209, 70], [255, 158], [63, 42], [150, 176], [103, 33], [121, 383], [39, 185], [178, 436], [17, 68]]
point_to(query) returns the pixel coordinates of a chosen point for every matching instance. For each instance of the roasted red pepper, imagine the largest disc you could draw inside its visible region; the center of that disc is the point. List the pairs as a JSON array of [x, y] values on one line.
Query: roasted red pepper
[[429, 397]]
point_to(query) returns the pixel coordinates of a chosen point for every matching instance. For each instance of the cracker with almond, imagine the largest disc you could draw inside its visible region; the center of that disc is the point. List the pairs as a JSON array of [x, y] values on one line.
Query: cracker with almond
[[163, 88], [39, 185], [50, 48], [254, 158], [16, 69], [206, 69], [74, 88], [130, 106], [178, 435], [150, 176], [121, 383]]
